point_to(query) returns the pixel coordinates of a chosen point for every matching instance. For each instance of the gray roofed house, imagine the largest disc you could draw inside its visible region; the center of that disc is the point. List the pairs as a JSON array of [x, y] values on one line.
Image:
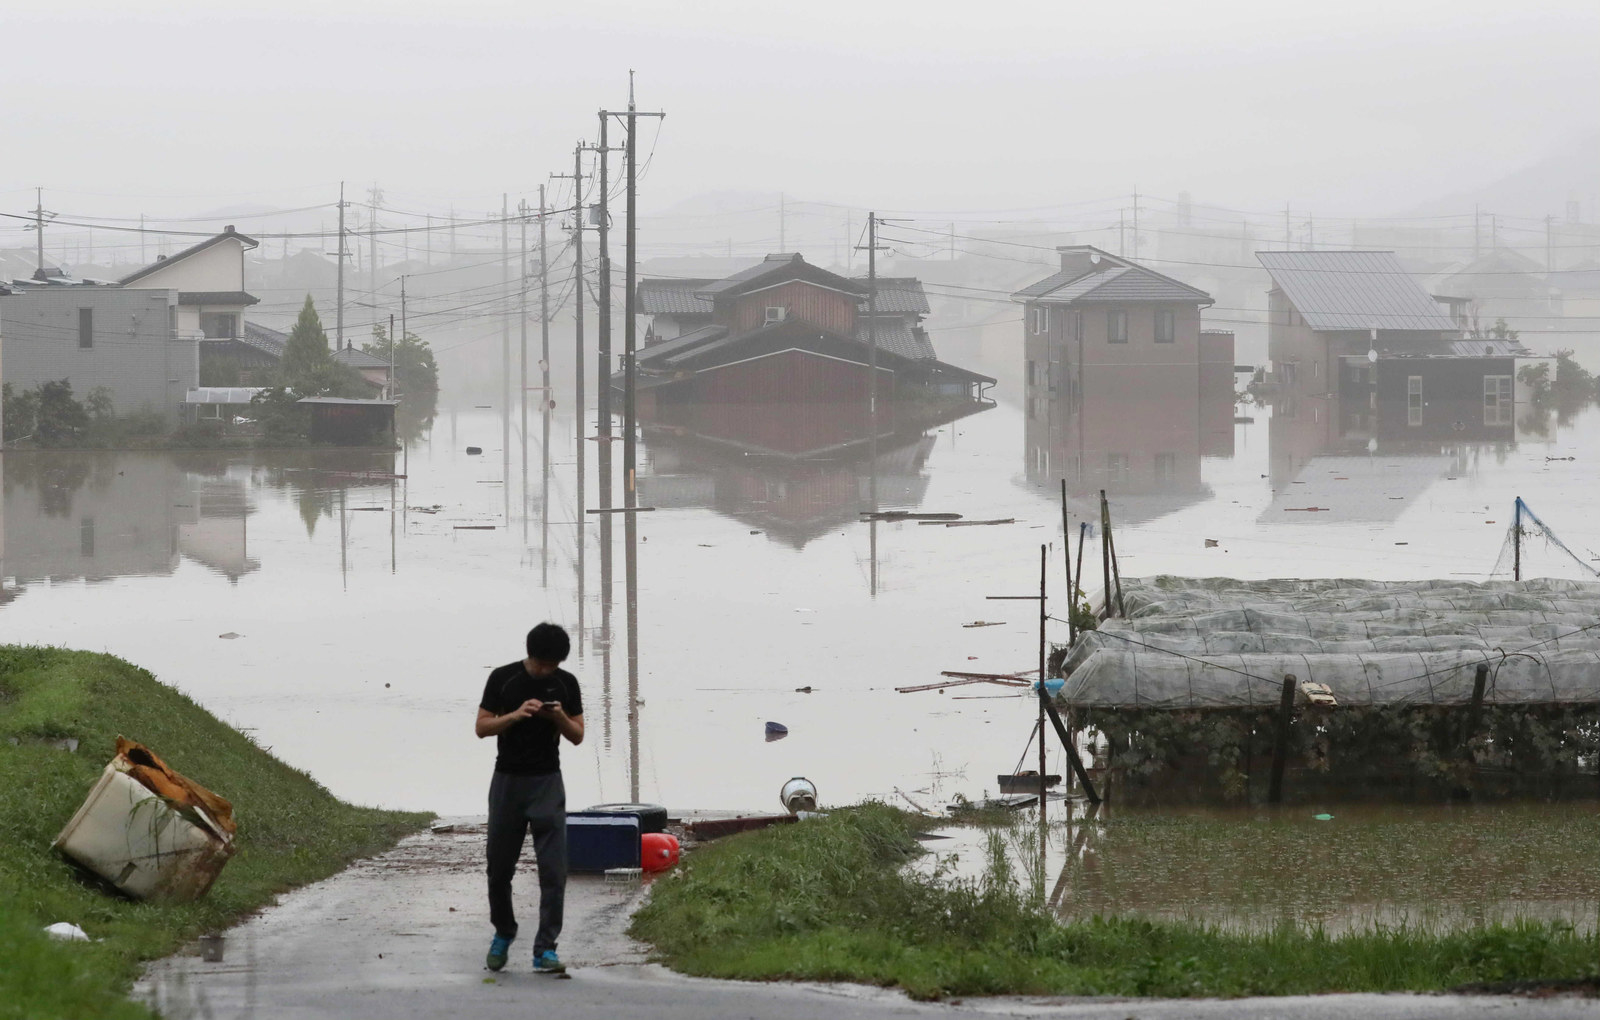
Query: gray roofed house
[[897, 335], [1089, 275], [659, 296], [898, 295], [1354, 290]]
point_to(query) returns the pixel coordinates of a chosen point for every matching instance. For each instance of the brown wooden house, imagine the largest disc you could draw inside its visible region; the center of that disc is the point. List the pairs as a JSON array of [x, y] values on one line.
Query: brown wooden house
[[784, 332]]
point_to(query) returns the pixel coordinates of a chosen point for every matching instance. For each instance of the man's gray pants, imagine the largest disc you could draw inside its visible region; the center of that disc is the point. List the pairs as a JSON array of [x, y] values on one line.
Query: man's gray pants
[[516, 804]]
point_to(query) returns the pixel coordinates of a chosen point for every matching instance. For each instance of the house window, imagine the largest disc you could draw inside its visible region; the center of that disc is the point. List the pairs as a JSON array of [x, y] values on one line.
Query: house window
[[1497, 400], [1041, 319], [1117, 326], [1165, 325], [219, 325], [1116, 467], [1414, 400], [85, 327]]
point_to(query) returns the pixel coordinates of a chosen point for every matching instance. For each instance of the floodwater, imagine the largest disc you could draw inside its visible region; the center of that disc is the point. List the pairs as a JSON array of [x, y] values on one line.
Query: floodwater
[[348, 622], [1338, 867]]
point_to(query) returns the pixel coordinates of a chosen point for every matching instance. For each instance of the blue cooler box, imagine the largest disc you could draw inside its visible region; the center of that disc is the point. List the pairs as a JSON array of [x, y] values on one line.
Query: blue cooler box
[[600, 840]]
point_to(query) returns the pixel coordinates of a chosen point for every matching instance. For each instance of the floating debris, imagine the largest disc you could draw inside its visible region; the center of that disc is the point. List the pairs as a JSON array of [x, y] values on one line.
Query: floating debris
[[776, 731], [1212, 543], [474, 527], [984, 623], [473, 451], [229, 636], [907, 515], [972, 524]]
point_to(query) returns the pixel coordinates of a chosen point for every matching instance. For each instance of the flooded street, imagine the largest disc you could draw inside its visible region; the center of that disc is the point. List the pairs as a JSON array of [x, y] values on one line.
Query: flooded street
[[348, 621]]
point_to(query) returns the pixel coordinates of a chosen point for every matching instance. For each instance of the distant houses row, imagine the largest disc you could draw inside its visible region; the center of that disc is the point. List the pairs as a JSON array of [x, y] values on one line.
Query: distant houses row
[[163, 338]]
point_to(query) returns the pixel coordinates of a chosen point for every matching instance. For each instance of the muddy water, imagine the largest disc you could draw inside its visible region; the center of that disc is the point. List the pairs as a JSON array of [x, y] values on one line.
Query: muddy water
[[367, 613], [1351, 868]]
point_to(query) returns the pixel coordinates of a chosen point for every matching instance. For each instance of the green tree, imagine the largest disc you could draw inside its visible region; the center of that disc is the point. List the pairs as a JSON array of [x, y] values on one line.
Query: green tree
[[415, 372], [62, 421], [20, 412], [306, 355], [308, 367]]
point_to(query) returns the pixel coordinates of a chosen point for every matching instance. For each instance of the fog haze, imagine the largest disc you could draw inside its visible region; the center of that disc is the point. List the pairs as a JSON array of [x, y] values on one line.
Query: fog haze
[[1364, 108]]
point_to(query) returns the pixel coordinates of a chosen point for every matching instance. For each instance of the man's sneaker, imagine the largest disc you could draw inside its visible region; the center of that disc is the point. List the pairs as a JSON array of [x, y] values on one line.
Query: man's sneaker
[[497, 952], [548, 963]]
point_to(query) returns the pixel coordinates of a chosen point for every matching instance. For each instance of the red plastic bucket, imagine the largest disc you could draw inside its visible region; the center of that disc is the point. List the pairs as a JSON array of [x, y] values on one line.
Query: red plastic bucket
[[658, 851]]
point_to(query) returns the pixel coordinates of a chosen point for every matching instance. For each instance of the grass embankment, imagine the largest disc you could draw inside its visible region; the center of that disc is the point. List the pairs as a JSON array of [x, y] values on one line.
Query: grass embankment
[[830, 900], [291, 830]]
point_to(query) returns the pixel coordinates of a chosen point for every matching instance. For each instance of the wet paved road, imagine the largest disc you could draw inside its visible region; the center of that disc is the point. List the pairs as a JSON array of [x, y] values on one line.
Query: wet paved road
[[401, 936]]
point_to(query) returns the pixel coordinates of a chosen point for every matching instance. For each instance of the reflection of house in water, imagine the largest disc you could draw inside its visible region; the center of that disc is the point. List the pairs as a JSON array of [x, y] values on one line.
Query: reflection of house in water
[[813, 484], [753, 394], [216, 533], [90, 515], [96, 516], [1125, 391]]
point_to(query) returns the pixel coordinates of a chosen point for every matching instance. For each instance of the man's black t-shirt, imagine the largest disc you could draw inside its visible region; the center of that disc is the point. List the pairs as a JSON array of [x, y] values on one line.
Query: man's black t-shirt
[[531, 747]]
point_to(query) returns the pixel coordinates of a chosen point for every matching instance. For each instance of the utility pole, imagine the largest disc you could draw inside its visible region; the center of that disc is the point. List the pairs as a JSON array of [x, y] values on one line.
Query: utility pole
[[1549, 266], [40, 217], [505, 352], [544, 390], [579, 426], [603, 373], [630, 419], [1122, 234], [522, 338], [394, 384], [388, 391], [338, 329], [374, 196], [1135, 255]]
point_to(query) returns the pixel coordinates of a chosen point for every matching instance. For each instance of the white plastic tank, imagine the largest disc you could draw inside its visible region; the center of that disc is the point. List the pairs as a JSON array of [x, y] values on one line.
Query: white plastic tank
[[798, 794]]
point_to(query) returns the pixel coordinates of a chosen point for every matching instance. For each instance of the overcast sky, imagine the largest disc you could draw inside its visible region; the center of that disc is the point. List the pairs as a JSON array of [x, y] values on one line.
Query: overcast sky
[[1351, 107]]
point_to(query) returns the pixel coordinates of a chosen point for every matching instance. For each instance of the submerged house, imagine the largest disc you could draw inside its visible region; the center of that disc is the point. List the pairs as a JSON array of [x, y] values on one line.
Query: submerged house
[[1123, 389], [1358, 347], [795, 340]]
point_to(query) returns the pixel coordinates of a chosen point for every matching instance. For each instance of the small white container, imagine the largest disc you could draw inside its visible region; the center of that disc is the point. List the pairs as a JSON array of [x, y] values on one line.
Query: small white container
[[136, 841]]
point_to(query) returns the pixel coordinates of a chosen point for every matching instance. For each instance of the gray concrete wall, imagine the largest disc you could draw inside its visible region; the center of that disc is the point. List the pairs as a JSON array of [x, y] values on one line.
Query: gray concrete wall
[[134, 355]]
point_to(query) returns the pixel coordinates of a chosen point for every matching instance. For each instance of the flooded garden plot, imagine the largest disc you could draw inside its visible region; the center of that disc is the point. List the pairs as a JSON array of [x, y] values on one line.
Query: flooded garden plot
[[1337, 868]]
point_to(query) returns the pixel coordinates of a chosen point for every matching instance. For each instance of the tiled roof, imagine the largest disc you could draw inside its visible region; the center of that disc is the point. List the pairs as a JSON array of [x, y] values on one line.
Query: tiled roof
[[263, 339], [1048, 284], [194, 249], [673, 297], [1354, 290], [355, 357], [898, 336], [658, 352], [1112, 282], [777, 265], [901, 295]]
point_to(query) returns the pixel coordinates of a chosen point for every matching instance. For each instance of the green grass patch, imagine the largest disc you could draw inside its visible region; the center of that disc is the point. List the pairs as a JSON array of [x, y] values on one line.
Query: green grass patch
[[831, 900], [291, 830]]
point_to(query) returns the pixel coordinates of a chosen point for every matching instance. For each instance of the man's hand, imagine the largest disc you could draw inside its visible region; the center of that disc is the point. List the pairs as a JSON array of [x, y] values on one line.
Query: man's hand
[[491, 725]]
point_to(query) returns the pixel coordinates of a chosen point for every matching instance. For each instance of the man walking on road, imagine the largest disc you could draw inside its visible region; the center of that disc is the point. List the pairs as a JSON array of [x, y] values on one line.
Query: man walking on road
[[528, 706]]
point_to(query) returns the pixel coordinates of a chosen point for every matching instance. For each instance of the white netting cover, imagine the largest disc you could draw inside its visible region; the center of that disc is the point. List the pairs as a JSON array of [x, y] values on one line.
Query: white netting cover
[[1222, 643]]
